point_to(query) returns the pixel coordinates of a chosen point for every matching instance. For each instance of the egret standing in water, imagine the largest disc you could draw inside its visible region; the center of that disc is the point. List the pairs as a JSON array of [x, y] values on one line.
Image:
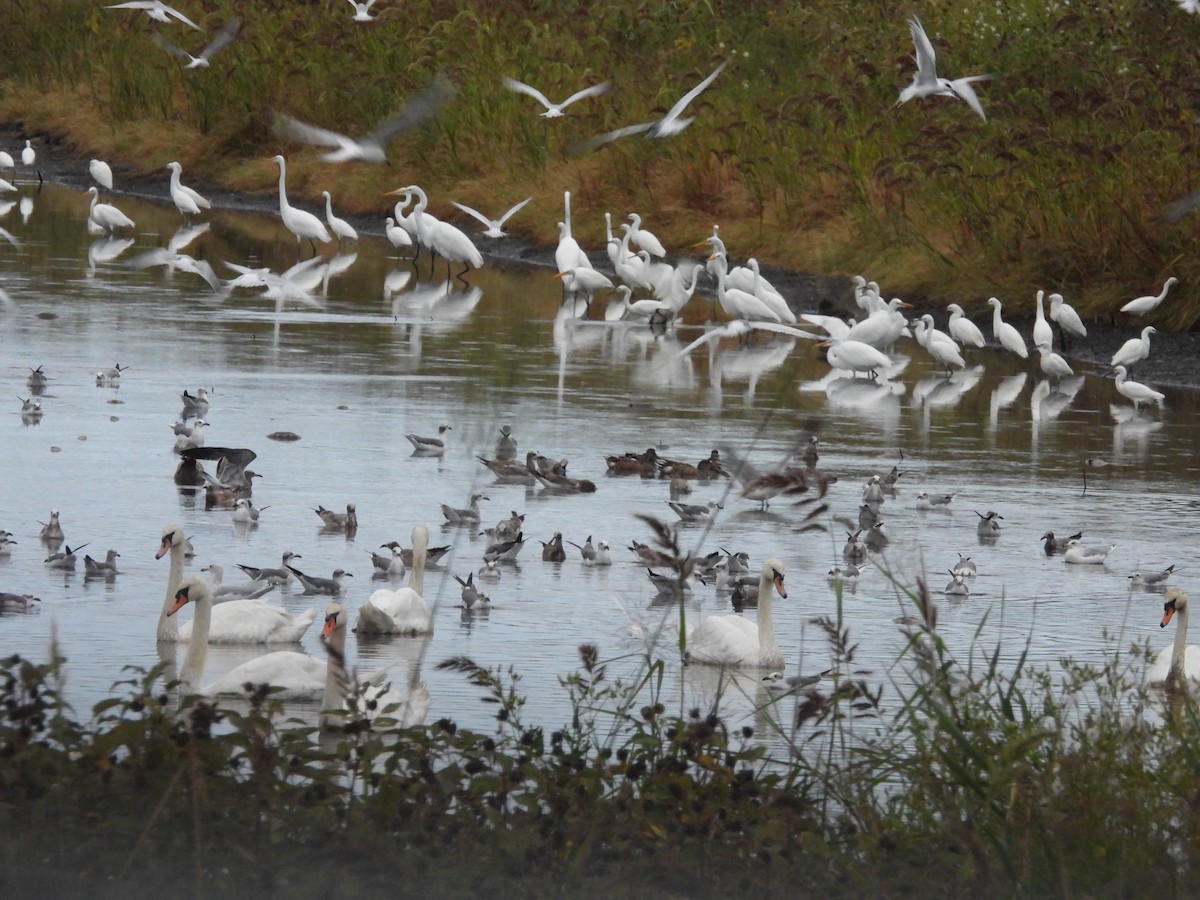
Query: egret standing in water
[[304, 225]]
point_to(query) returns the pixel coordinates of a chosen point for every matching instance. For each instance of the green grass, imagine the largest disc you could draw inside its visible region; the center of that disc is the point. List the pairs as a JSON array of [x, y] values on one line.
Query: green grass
[[797, 150], [965, 777]]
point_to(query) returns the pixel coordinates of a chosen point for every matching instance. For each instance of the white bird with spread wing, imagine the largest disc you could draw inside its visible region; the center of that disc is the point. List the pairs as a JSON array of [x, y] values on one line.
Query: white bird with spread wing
[[156, 10], [554, 110], [668, 125], [424, 104], [495, 227], [926, 82], [224, 37]]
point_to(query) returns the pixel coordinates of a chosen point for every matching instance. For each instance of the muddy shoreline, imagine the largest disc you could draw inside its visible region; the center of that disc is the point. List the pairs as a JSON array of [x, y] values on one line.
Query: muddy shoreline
[[1174, 356]]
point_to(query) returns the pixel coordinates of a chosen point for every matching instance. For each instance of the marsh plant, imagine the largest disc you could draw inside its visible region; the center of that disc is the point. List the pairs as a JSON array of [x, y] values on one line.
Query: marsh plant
[[964, 778], [797, 151]]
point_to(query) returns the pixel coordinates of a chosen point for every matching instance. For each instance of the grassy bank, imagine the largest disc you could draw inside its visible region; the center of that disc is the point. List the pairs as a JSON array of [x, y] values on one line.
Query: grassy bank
[[973, 781], [796, 150]]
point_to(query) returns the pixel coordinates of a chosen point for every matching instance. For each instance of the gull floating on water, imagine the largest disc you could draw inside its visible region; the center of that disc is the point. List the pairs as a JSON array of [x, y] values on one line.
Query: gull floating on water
[[1077, 554]]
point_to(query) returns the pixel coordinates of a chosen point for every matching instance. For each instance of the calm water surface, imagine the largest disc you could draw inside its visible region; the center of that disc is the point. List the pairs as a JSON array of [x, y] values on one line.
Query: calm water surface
[[388, 353]]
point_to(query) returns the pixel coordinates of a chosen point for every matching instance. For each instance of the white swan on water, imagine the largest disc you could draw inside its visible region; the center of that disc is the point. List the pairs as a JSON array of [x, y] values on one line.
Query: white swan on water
[[235, 622], [403, 611], [736, 641], [375, 695], [294, 675], [1179, 661]]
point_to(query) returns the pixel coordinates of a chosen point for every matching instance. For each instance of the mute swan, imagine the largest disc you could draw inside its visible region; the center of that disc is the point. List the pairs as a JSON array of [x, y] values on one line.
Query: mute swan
[[375, 696], [297, 676], [402, 611], [175, 542], [735, 641], [1180, 660], [235, 622], [299, 222]]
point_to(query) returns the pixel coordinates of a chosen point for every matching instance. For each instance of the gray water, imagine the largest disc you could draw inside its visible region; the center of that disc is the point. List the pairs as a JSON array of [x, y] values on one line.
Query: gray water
[[389, 353]]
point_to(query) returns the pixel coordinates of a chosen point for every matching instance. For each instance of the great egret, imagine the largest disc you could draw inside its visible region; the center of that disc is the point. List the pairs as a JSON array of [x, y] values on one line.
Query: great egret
[[1143, 305], [396, 235], [1007, 336], [341, 229], [444, 239], [1134, 350], [926, 82], [187, 201], [1135, 391], [101, 173], [554, 110], [304, 225], [962, 329], [645, 239], [105, 215]]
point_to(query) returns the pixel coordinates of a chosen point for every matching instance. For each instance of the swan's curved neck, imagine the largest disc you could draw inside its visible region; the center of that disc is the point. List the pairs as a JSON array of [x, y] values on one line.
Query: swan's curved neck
[[768, 646], [193, 662], [168, 628], [1179, 650], [335, 677], [416, 580]]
